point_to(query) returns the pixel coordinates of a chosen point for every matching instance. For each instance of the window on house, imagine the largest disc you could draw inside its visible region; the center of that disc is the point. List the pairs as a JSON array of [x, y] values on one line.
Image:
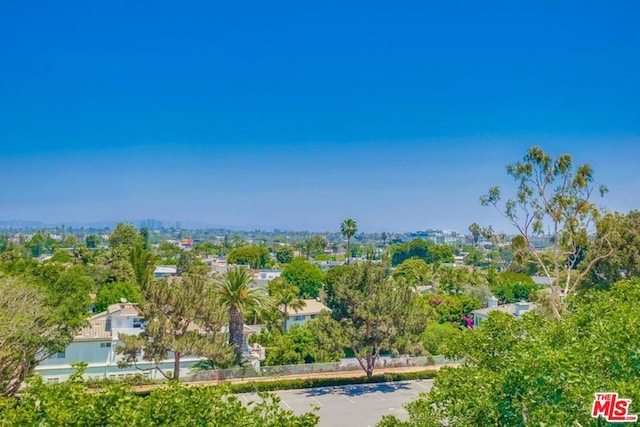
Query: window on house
[[61, 355], [105, 344], [313, 316], [53, 380], [298, 318], [137, 322], [107, 325]]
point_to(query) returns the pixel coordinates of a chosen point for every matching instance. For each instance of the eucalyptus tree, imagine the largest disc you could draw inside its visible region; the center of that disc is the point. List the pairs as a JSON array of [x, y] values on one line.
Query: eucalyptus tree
[[554, 194]]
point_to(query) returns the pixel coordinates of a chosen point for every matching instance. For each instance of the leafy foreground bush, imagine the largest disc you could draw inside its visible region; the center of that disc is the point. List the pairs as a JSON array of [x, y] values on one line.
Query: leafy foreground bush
[[73, 404], [539, 372]]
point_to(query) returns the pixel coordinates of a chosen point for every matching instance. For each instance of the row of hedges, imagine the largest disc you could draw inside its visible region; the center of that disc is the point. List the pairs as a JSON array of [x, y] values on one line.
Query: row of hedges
[[300, 383]]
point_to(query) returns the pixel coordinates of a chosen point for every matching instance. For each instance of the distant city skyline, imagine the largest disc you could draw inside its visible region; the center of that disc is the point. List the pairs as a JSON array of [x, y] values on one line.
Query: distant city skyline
[[296, 117]]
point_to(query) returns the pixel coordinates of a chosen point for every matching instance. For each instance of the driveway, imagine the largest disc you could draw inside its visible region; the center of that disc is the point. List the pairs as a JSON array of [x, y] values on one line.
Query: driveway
[[360, 405]]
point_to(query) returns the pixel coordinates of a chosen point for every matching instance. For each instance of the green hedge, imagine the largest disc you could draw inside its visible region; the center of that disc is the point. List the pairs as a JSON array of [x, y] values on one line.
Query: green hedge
[[292, 384], [271, 385], [138, 379], [299, 383]]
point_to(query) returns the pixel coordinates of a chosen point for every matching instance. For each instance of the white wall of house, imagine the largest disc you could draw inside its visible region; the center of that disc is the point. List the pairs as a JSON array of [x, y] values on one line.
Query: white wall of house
[[268, 274], [101, 357], [102, 361], [299, 320]]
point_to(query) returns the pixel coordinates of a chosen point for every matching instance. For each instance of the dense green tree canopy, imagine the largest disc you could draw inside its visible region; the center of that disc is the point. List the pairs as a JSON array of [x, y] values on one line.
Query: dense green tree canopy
[[168, 250], [377, 314], [417, 248], [125, 235], [254, 256], [299, 344], [414, 271], [622, 232], [435, 334], [114, 292], [93, 241], [284, 254], [41, 308], [306, 276], [421, 249], [453, 309], [187, 261], [207, 248], [539, 371], [313, 246], [511, 287]]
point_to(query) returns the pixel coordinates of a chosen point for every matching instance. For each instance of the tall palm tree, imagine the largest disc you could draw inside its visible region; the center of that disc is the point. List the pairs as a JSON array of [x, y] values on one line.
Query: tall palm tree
[[348, 228], [285, 295], [143, 265], [476, 231], [234, 294]]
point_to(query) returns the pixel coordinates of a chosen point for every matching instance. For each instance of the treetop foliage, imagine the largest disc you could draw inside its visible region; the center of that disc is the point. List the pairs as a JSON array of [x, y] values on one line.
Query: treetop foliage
[[554, 194], [254, 256], [421, 249], [537, 370]]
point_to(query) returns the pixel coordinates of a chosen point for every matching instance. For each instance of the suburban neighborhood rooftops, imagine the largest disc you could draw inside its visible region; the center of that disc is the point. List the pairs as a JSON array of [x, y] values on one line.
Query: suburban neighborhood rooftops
[[124, 309], [513, 309], [97, 330], [311, 307]]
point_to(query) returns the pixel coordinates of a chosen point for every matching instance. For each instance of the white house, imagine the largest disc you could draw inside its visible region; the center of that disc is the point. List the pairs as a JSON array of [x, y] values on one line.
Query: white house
[[261, 278], [96, 345], [515, 310], [311, 310]]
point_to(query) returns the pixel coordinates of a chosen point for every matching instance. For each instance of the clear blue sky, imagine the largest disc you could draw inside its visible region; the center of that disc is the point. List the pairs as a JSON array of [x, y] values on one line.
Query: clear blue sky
[[298, 115]]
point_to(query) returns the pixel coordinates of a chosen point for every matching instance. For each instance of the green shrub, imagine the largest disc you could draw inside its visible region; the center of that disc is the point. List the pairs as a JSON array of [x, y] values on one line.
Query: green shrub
[[299, 383]]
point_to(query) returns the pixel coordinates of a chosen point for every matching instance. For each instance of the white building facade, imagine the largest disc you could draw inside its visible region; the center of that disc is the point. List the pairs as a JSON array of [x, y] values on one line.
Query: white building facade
[[96, 346]]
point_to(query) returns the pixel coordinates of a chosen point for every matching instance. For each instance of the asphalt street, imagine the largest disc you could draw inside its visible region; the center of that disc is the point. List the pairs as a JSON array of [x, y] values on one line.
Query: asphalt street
[[361, 405]]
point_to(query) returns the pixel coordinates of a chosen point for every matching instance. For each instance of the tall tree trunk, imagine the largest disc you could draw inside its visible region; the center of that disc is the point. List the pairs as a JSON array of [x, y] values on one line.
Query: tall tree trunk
[[286, 315], [176, 366], [236, 324], [371, 364], [16, 373]]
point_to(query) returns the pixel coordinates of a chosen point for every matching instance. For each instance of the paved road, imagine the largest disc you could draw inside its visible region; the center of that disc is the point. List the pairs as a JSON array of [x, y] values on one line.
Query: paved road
[[360, 405]]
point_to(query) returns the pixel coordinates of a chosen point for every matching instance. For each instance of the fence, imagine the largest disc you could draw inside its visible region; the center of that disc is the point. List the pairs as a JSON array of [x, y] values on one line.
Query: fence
[[345, 365]]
